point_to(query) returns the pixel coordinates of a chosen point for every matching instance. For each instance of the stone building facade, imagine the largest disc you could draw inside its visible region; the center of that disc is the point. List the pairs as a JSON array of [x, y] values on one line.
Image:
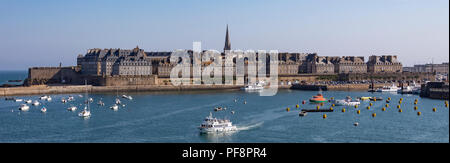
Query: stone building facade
[[385, 63], [350, 64], [436, 68]]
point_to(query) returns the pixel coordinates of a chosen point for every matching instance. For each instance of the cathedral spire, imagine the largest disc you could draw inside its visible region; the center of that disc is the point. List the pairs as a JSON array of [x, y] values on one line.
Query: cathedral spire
[[227, 41]]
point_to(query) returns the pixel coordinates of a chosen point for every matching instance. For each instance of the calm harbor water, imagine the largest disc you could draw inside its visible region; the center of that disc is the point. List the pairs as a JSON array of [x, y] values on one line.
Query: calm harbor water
[[175, 116]]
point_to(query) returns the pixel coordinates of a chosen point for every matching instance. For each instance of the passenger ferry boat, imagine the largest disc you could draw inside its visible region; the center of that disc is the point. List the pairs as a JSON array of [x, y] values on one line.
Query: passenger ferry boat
[[214, 125], [348, 101], [392, 88], [254, 87]]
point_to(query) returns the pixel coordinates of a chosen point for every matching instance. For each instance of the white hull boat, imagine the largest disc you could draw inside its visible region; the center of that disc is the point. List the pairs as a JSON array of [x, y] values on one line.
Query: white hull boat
[[214, 125], [85, 113], [73, 108], [114, 107], [36, 103], [24, 107], [392, 88]]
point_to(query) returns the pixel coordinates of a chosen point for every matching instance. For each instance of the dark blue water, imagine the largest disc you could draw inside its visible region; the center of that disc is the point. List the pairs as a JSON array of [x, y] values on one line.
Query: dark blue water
[[174, 117], [12, 75]]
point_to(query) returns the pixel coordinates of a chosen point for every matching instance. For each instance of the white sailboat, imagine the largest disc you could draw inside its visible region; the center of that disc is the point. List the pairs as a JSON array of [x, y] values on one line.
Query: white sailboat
[[86, 112], [36, 103], [29, 101], [115, 107]]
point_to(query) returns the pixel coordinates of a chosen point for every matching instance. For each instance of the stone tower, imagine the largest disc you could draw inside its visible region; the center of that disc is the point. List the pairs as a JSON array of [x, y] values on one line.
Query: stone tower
[[227, 41]]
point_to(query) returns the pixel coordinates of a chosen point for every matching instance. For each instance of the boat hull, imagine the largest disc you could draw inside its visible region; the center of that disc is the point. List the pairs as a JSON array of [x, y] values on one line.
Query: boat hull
[[217, 130]]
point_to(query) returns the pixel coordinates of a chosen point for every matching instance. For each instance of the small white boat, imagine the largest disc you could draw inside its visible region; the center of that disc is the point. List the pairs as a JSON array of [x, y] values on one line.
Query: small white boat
[[303, 113], [356, 124], [43, 97], [24, 107], [91, 100], [346, 102], [71, 98], [63, 100], [29, 101], [49, 98], [72, 108], [114, 107], [19, 100], [127, 97], [118, 102], [36, 103], [43, 110], [232, 112], [218, 109]]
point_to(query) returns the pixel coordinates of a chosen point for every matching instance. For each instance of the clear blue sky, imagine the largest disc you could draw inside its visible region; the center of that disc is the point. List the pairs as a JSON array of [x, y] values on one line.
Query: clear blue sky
[[46, 32]]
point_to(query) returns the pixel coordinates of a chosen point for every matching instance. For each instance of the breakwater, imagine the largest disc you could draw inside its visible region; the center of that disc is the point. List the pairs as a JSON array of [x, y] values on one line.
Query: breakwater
[[37, 90], [336, 87], [435, 90]]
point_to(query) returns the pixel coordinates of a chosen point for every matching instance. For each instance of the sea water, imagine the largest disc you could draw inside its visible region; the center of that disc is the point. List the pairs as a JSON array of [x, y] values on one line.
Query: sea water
[[175, 117]]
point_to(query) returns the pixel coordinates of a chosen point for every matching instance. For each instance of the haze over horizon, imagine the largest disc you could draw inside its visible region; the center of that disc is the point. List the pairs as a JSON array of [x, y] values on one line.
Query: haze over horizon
[[45, 33]]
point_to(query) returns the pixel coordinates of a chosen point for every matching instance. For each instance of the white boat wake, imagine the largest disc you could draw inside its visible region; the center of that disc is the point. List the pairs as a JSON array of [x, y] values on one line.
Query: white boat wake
[[249, 127]]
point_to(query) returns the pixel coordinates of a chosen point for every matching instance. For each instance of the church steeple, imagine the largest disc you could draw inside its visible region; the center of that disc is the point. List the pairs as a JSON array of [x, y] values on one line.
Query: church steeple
[[227, 41]]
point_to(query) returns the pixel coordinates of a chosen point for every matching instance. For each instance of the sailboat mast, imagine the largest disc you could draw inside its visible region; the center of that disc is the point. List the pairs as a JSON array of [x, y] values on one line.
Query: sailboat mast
[[86, 94]]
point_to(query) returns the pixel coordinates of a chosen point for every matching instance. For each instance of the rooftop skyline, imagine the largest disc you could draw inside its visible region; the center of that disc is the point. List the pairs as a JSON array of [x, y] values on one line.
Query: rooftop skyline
[[45, 33]]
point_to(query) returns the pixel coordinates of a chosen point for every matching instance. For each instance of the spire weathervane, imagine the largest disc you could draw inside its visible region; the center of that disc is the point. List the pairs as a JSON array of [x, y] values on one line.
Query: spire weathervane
[[227, 41]]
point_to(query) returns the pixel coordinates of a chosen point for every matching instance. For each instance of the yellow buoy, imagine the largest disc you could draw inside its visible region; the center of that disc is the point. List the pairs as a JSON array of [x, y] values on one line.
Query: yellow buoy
[[446, 105], [401, 99], [356, 106], [419, 113], [297, 106], [400, 110], [400, 102], [343, 110], [331, 108], [317, 107], [387, 105], [288, 109], [368, 108], [332, 98], [359, 111], [434, 109], [333, 105], [398, 106], [324, 116], [383, 109], [371, 104], [321, 104], [415, 108], [415, 103], [375, 99], [374, 115], [389, 98]]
